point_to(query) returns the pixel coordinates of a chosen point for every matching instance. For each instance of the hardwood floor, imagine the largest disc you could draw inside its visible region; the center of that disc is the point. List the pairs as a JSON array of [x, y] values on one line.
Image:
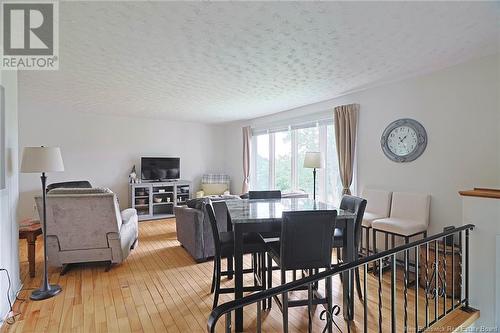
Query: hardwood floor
[[160, 288]]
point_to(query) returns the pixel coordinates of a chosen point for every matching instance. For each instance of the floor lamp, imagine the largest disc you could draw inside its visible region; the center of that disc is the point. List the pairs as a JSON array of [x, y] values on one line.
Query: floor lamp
[[314, 160], [43, 159]]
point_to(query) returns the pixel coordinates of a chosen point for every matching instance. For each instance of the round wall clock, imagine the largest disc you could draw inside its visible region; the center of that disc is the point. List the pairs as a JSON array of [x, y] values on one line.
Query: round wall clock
[[404, 140]]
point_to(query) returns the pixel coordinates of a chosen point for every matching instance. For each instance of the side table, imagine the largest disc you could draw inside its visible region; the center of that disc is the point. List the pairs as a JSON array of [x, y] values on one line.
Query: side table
[[30, 233]]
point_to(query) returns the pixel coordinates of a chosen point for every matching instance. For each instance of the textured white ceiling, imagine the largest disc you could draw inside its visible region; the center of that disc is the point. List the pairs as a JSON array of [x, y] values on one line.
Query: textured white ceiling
[[221, 61]]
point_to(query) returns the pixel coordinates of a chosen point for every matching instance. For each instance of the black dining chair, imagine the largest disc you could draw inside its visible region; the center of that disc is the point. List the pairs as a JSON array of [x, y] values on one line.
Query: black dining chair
[[305, 244], [224, 248], [268, 237], [357, 206], [273, 194]]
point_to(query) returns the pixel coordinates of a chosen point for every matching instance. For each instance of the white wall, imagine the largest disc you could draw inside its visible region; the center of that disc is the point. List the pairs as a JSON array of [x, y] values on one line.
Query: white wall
[[103, 149], [460, 110], [9, 256]]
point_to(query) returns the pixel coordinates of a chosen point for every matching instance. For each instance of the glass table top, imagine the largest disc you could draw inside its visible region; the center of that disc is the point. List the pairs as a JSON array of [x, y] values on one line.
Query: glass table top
[[271, 210]]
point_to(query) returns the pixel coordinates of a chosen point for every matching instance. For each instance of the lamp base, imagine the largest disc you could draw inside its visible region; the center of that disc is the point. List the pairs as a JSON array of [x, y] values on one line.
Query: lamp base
[[39, 294]]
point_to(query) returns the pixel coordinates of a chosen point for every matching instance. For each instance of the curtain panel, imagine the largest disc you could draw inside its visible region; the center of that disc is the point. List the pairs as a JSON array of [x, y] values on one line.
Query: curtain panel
[[346, 123]]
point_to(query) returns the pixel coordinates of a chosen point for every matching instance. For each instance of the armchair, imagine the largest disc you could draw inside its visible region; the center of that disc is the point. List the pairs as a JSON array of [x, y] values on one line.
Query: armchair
[[214, 184], [86, 225]]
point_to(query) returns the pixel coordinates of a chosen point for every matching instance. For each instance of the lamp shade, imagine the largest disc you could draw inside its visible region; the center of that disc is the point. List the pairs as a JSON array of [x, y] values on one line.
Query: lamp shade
[[314, 159], [42, 159]]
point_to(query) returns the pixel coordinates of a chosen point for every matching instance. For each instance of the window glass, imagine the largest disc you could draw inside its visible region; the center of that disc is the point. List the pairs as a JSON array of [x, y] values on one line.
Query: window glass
[[283, 161], [307, 140], [262, 162]]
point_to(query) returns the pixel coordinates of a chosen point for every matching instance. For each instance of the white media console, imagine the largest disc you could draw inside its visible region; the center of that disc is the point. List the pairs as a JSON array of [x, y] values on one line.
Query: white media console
[[156, 200]]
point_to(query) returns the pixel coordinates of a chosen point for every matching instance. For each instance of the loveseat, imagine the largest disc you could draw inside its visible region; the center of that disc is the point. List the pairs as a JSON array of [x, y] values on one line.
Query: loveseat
[[193, 227]]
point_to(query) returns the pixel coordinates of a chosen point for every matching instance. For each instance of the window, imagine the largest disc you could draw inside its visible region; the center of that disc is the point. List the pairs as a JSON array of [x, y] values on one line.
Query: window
[[278, 161]]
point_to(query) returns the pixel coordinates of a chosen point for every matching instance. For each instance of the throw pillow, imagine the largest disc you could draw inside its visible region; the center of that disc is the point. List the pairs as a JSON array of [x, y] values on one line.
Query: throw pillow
[[214, 189]]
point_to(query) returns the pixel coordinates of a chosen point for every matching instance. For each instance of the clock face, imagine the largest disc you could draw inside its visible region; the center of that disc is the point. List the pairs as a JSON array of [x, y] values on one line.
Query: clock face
[[402, 140]]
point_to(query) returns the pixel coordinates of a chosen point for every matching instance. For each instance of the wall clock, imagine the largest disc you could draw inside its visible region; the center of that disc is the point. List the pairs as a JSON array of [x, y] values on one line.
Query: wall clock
[[404, 140]]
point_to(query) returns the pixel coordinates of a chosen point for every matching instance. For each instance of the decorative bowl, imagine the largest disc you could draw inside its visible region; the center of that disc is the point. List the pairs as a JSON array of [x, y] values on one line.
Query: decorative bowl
[[157, 200]]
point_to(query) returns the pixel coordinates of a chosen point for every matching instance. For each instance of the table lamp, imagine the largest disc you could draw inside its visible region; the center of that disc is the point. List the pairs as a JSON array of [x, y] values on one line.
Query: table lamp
[[43, 159], [314, 160]]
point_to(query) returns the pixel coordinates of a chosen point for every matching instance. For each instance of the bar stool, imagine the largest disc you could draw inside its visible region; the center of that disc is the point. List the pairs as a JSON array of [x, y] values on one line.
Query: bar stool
[[224, 248], [356, 206], [378, 207], [409, 218]]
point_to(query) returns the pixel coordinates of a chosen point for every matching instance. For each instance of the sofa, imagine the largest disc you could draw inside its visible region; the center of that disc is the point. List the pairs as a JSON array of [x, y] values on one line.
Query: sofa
[[193, 227], [86, 225]]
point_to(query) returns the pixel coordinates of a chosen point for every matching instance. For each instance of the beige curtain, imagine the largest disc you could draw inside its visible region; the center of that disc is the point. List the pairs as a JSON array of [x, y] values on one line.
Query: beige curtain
[[247, 138], [346, 122]]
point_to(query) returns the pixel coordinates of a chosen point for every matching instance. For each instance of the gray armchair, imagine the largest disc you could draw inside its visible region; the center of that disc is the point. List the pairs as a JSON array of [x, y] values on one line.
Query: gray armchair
[[86, 225]]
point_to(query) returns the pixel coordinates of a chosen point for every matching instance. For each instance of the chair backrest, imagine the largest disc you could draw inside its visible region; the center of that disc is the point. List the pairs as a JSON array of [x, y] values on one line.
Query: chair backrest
[[209, 209], [215, 178], [274, 194], [378, 202], [357, 206], [306, 239], [411, 206], [70, 184], [81, 218]]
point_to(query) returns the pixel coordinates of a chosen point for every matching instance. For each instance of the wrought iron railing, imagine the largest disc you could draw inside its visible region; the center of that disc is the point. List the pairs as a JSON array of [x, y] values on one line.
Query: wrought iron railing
[[435, 285]]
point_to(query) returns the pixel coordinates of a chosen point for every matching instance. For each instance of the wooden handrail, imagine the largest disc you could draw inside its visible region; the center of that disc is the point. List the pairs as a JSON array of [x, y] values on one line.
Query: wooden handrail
[[482, 192]]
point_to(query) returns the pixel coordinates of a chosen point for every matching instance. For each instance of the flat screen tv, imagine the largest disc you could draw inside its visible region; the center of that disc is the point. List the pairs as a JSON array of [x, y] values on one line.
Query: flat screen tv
[[160, 168]]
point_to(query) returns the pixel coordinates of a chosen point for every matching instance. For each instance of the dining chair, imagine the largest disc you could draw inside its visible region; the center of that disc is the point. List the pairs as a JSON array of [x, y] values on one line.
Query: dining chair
[[273, 194], [224, 248], [357, 206], [305, 244], [270, 236]]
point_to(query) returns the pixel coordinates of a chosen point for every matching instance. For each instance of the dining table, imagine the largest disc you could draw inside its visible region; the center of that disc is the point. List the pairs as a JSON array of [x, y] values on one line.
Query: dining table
[[265, 215]]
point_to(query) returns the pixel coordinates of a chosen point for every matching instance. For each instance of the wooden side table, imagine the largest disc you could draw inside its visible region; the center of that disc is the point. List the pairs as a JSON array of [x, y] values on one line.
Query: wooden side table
[[30, 233]]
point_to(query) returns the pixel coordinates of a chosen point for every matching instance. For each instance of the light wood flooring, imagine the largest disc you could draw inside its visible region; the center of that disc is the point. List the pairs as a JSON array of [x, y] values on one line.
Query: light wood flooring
[[160, 288]]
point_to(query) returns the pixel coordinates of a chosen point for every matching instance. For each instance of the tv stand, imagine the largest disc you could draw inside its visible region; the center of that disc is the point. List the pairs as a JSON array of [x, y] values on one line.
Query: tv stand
[[144, 198]]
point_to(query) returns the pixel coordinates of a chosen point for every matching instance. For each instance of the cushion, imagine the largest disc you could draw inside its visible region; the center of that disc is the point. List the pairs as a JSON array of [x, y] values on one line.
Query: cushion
[[399, 226], [368, 219], [214, 189], [252, 243]]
